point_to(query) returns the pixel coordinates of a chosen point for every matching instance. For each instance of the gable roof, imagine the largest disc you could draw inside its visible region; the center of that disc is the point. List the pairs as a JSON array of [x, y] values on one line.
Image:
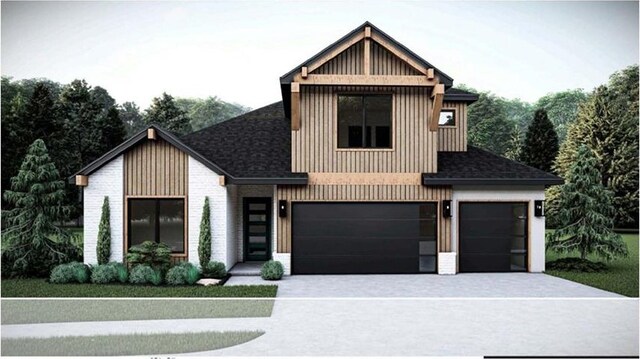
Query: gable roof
[[458, 95], [286, 79], [480, 167]]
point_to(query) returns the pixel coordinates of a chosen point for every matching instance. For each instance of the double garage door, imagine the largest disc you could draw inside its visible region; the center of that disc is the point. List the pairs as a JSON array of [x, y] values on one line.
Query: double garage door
[[363, 238]]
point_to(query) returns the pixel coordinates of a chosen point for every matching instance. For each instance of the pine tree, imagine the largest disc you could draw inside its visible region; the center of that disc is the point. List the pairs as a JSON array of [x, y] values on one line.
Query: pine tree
[[585, 212], [204, 243], [103, 247], [165, 113], [131, 117], [37, 196], [113, 129], [515, 144], [540, 144]]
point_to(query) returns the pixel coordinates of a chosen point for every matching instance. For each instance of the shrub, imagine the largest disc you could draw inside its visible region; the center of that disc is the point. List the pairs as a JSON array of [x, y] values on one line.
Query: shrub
[[576, 265], [122, 274], [103, 274], [214, 269], [143, 274], [183, 273], [104, 234], [73, 272], [154, 255], [272, 270], [204, 241]]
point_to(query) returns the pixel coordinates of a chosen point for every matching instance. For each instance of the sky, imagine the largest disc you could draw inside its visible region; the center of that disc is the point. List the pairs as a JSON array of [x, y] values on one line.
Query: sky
[[237, 50]]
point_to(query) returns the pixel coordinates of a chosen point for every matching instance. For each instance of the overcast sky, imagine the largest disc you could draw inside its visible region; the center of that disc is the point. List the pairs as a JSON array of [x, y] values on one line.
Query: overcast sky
[[237, 50]]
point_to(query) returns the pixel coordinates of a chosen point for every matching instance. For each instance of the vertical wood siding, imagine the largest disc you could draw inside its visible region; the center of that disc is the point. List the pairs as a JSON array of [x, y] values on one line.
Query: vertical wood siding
[[314, 147], [363, 193], [454, 139], [155, 168], [384, 62], [348, 62]]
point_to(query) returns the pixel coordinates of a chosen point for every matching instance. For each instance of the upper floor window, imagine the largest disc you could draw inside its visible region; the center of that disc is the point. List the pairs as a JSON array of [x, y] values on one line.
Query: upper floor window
[[447, 118], [364, 121]]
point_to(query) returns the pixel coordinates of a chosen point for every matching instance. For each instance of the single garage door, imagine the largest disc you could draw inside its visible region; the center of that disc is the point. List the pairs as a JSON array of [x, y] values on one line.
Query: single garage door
[[358, 238], [493, 237]]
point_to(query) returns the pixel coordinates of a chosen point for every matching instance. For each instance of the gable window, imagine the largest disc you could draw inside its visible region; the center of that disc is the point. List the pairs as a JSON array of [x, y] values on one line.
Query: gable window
[[158, 220], [447, 118], [364, 121]]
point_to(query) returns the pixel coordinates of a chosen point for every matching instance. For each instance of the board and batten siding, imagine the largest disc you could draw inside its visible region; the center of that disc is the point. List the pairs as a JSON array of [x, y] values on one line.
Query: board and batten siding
[[454, 138], [314, 147], [155, 168], [362, 193], [384, 62]]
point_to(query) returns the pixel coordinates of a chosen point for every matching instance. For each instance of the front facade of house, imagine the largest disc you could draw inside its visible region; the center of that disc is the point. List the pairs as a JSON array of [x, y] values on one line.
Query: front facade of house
[[363, 167]]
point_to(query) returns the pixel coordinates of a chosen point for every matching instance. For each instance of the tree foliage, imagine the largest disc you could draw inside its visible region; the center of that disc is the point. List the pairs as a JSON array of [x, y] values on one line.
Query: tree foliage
[[562, 108], [132, 118], [488, 125], [204, 242], [209, 111], [37, 197], [541, 143], [585, 212], [103, 247], [165, 112]]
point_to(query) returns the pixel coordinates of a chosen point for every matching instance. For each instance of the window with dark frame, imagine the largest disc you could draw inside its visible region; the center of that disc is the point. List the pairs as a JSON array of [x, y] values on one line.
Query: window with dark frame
[[364, 121], [160, 220], [447, 118]]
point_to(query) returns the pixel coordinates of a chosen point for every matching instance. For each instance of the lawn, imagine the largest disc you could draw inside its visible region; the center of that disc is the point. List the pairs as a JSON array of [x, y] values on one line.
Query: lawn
[[40, 288], [26, 311], [134, 344], [620, 277]]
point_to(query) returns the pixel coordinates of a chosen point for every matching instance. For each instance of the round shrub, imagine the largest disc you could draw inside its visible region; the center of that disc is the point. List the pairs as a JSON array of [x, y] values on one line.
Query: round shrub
[[576, 265], [73, 272], [214, 269], [183, 273], [143, 274], [122, 274], [272, 270], [103, 274]]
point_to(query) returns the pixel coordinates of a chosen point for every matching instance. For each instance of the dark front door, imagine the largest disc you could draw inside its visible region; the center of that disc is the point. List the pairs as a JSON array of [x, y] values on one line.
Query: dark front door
[[352, 238], [257, 229], [493, 237]]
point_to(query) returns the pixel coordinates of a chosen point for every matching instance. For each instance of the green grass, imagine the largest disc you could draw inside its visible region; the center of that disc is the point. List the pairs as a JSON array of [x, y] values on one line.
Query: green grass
[[40, 288], [26, 311], [134, 344], [621, 276]]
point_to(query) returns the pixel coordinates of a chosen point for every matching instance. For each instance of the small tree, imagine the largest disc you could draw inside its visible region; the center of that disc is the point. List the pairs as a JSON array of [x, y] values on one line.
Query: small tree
[[35, 243], [541, 143], [586, 213], [163, 111], [204, 243], [104, 234]]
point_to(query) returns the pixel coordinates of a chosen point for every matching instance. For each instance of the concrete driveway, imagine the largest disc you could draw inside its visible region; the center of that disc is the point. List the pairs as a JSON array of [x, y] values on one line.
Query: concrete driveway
[[469, 285]]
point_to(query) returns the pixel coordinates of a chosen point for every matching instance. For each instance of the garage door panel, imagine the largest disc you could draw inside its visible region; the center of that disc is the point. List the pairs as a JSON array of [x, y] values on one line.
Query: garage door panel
[[344, 211], [367, 228], [354, 264], [485, 262], [362, 245], [489, 244]]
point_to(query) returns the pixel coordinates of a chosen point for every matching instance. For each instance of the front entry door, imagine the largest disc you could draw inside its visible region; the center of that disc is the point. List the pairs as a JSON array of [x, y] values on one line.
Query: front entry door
[[257, 229]]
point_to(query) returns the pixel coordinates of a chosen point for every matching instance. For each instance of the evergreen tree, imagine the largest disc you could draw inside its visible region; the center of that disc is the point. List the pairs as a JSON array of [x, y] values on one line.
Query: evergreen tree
[[165, 113], [489, 127], [562, 108], [37, 196], [204, 242], [103, 247], [541, 143], [132, 118], [112, 128], [585, 212], [515, 144]]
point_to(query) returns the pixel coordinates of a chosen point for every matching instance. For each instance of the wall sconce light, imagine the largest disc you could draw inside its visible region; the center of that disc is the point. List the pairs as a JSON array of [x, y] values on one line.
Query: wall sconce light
[[282, 208], [538, 208], [446, 209]]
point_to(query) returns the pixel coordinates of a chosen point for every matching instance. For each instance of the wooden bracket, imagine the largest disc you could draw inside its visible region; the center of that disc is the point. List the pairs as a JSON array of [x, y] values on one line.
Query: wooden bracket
[[151, 133], [295, 106], [367, 32], [304, 72], [431, 73], [438, 96], [82, 180], [222, 180]]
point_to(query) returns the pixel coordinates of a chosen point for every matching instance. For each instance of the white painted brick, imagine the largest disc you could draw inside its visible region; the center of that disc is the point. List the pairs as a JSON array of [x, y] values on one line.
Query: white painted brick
[[285, 259], [107, 181], [447, 263]]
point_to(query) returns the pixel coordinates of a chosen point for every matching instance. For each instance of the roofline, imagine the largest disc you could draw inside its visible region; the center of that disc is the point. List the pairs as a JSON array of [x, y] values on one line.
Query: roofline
[[461, 97], [432, 181], [165, 135]]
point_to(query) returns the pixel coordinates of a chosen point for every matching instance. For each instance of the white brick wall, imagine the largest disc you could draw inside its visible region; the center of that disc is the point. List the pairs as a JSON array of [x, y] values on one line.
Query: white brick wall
[[204, 182], [504, 194], [107, 181], [285, 259], [447, 263]]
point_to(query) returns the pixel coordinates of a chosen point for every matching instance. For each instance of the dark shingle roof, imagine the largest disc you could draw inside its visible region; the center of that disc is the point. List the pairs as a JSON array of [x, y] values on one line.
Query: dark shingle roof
[[478, 166], [453, 94], [256, 144]]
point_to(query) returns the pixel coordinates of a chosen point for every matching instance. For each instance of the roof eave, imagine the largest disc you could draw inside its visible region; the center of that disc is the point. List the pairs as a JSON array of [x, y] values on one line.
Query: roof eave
[[460, 98], [432, 181]]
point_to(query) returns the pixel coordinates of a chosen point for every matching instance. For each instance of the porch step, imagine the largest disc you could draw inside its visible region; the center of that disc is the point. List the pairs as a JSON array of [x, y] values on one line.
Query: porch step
[[246, 269]]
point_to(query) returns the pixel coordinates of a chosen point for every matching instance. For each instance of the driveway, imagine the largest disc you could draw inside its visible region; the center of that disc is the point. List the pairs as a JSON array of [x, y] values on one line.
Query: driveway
[[468, 285]]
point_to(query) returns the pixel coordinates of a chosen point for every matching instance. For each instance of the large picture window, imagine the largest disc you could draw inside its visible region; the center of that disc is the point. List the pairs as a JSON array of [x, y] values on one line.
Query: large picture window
[[159, 220], [364, 121]]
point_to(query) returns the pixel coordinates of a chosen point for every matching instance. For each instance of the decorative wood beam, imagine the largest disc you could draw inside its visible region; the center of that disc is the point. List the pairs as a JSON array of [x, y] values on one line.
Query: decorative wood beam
[[82, 180], [367, 32], [335, 52], [399, 53], [151, 133], [222, 180], [431, 73], [367, 53], [304, 72], [352, 178], [364, 80], [438, 96], [295, 106]]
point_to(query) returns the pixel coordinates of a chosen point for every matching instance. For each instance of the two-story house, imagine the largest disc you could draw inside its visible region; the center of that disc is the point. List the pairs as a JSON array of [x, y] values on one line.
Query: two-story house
[[363, 167]]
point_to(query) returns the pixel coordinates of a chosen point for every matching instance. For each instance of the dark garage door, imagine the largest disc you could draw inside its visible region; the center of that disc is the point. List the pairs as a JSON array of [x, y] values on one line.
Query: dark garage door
[[350, 238], [493, 237]]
